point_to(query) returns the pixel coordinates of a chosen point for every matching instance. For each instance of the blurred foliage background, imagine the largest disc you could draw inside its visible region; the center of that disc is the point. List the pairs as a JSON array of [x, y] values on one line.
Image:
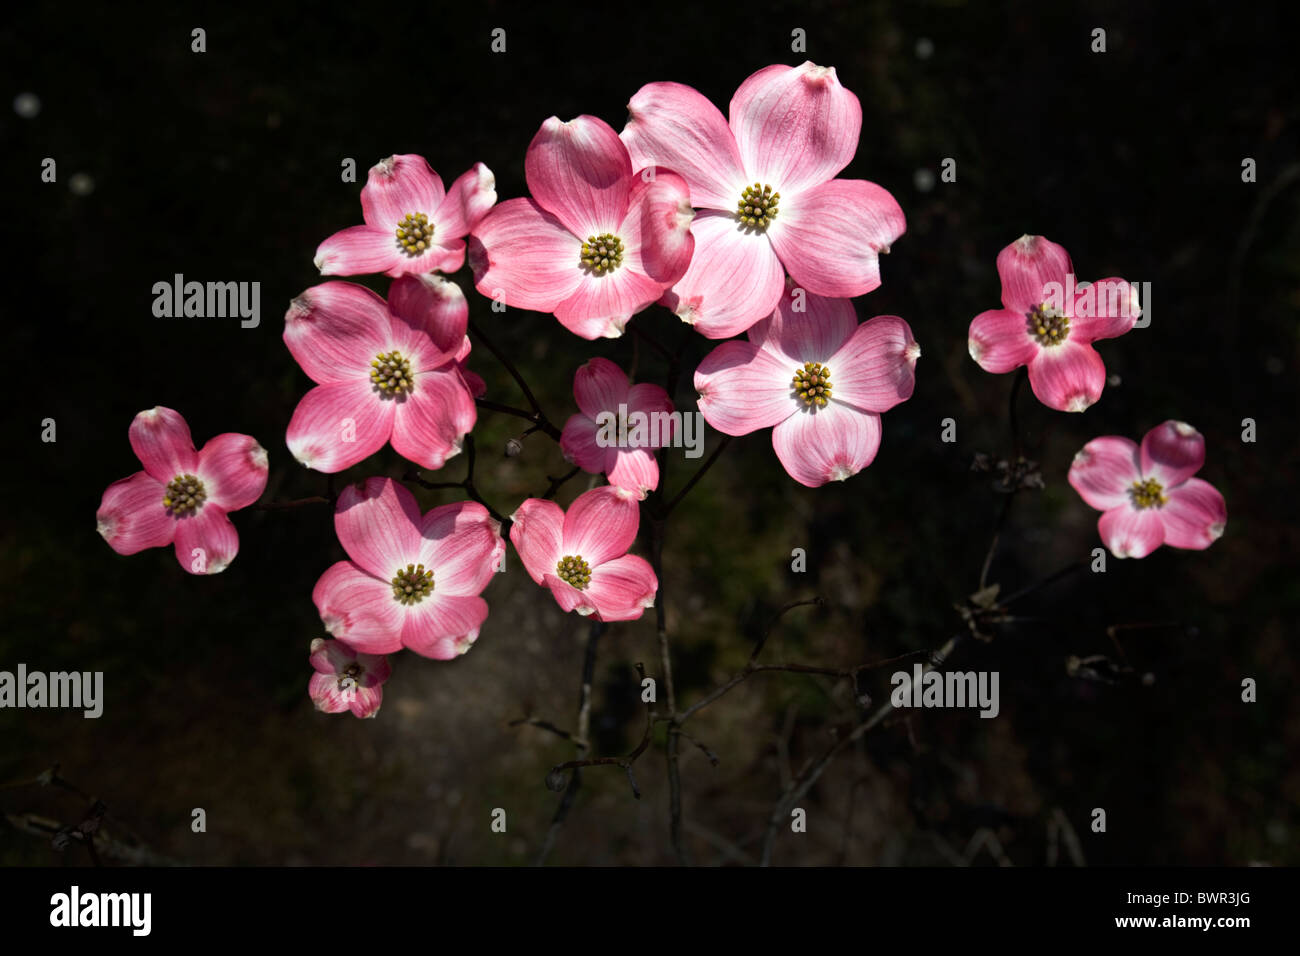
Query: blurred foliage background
[[226, 166]]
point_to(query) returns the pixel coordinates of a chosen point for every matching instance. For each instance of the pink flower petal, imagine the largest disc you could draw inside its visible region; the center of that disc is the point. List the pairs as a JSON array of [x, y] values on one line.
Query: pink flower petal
[[359, 608], [876, 368], [999, 341], [334, 330], [830, 444], [206, 541], [599, 386], [470, 197], [830, 237], [443, 626], [131, 516], [743, 388], [1104, 471], [634, 470], [359, 250], [580, 172], [648, 398], [805, 327], [462, 546], [1195, 515], [398, 186], [1131, 533], [1026, 267], [734, 278], [523, 256], [1068, 377], [600, 525], [366, 701], [796, 126], [620, 590], [378, 525], [601, 305], [676, 127], [1172, 452], [233, 469], [578, 444], [326, 694], [336, 426], [434, 305], [537, 532], [430, 424], [161, 440], [656, 231], [1104, 310], [330, 657]]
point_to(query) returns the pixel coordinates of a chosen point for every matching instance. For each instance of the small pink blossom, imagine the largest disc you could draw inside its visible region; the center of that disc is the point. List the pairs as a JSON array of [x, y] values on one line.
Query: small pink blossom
[[1147, 493], [582, 555], [411, 581], [609, 409], [817, 378], [412, 224], [385, 372], [765, 184], [182, 497], [346, 680], [1049, 324], [595, 244]]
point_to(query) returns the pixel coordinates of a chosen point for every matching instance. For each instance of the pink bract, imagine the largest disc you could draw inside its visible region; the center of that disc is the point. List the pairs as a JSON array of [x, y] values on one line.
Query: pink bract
[[1049, 324], [183, 496], [1147, 493], [385, 372], [595, 244], [398, 191], [610, 408], [791, 130], [411, 581], [582, 555], [346, 680], [772, 381]]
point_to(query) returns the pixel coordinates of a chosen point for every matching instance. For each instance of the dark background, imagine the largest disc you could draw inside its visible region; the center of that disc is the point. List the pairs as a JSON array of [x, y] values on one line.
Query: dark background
[[225, 166]]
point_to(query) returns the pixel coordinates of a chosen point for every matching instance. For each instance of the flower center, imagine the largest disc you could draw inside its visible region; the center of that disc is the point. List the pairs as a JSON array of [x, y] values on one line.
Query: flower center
[[391, 373], [415, 234], [603, 253], [575, 570], [1148, 493], [350, 676], [812, 383], [185, 494], [412, 584], [1047, 324], [758, 206]]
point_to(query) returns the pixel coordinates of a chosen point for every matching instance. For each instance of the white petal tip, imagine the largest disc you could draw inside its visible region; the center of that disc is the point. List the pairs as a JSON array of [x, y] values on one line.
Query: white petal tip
[[1216, 530], [912, 352], [1185, 430], [1078, 404]]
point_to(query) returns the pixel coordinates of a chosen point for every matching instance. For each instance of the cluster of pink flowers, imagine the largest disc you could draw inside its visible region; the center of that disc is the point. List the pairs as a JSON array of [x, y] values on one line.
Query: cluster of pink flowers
[[738, 224]]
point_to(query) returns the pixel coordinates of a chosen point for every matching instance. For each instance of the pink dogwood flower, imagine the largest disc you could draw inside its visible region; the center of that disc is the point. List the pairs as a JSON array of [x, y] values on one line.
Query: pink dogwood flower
[[582, 555], [382, 375], [765, 184], [1049, 324], [346, 680], [817, 378], [183, 496], [1147, 492], [412, 224], [410, 581], [595, 244], [618, 427]]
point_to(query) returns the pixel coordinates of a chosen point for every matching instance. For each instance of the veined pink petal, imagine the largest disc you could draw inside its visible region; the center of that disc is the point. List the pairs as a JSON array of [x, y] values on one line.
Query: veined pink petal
[[621, 589], [473, 381], [734, 278], [430, 424], [523, 256], [634, 470], [336, 426], [398, 186], [359, 250], [743, 388], [830, 444], [676, 127], [1131, 533], [580, 172], [598, 386], [326, 694], [657, 228], [578, 443], [796, 126], [876, 368], [445, 255], [830, 237], [330, 657], [233, 469], [161, 440], [206, 541], [999, 340], [359, 608], [1026, 267], [601, 305], [537, 532], [1195, 515], [805, 327], [443, 626], [1172, 452], [334, 330], [1104, 471], [566, 595], [1105, 309], [462, 545], [378, 525], [437, 306], [1068, 377], [366, 701], [131, 516], [649, 398], [600, 525], [470, 197]]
